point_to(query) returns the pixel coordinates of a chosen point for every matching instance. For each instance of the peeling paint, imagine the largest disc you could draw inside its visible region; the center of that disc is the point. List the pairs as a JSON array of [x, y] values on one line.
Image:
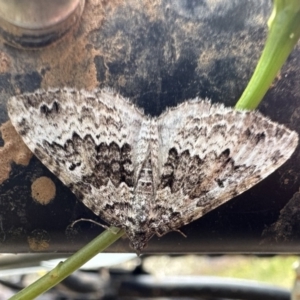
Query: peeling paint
[[38, 240], [14, 150], [5, 62], [43, 190], [73, 61]]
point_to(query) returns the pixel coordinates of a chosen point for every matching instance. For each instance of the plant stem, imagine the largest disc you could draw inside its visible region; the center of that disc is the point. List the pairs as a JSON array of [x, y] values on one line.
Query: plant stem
[[63, 269], [284, 32]]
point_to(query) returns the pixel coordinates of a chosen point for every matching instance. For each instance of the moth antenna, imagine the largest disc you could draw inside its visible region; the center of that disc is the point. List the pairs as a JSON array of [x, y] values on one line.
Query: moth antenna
[[89, 220]]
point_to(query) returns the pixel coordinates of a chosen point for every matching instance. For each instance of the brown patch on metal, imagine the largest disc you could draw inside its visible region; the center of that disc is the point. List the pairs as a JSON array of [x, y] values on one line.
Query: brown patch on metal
[[14, 150], [152, 9], [71, 62], [43, 190], [38, 240], [4, 62]]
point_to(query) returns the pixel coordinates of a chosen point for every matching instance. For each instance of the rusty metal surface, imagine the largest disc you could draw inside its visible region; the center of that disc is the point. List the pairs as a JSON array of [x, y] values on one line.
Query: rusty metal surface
[[158, 53]]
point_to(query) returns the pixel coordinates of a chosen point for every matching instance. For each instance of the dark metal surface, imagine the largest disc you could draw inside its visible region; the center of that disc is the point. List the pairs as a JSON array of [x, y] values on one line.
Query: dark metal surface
[[158, 53]]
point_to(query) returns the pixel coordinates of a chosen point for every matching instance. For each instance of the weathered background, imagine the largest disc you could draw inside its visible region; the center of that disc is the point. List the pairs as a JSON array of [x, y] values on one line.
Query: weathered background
[[158, 53]]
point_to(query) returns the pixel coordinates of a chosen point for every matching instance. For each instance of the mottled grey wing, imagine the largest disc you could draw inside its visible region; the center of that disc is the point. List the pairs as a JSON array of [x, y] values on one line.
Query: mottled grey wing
[[210, 154], [85, 138]]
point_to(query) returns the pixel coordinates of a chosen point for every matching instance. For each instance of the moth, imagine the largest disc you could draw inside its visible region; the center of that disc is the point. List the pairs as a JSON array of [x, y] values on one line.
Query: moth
[[148, 175]]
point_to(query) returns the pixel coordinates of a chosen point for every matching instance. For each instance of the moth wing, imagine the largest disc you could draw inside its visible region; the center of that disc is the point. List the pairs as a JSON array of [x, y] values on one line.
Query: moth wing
[[211, 154], [85, 138]]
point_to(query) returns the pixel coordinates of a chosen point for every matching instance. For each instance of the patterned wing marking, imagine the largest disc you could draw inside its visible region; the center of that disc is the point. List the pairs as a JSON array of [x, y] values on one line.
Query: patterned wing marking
[[210, 155], [87, 139]]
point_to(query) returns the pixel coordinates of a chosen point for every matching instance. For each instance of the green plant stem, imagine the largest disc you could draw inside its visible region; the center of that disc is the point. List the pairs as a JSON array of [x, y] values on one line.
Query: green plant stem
[[284, 32], [63, 269]]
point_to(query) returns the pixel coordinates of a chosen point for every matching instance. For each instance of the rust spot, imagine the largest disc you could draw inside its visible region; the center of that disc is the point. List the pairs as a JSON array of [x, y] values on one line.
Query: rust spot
[[43, 190], [38, 240], [14, 150], [71, 62], [4, 62]]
